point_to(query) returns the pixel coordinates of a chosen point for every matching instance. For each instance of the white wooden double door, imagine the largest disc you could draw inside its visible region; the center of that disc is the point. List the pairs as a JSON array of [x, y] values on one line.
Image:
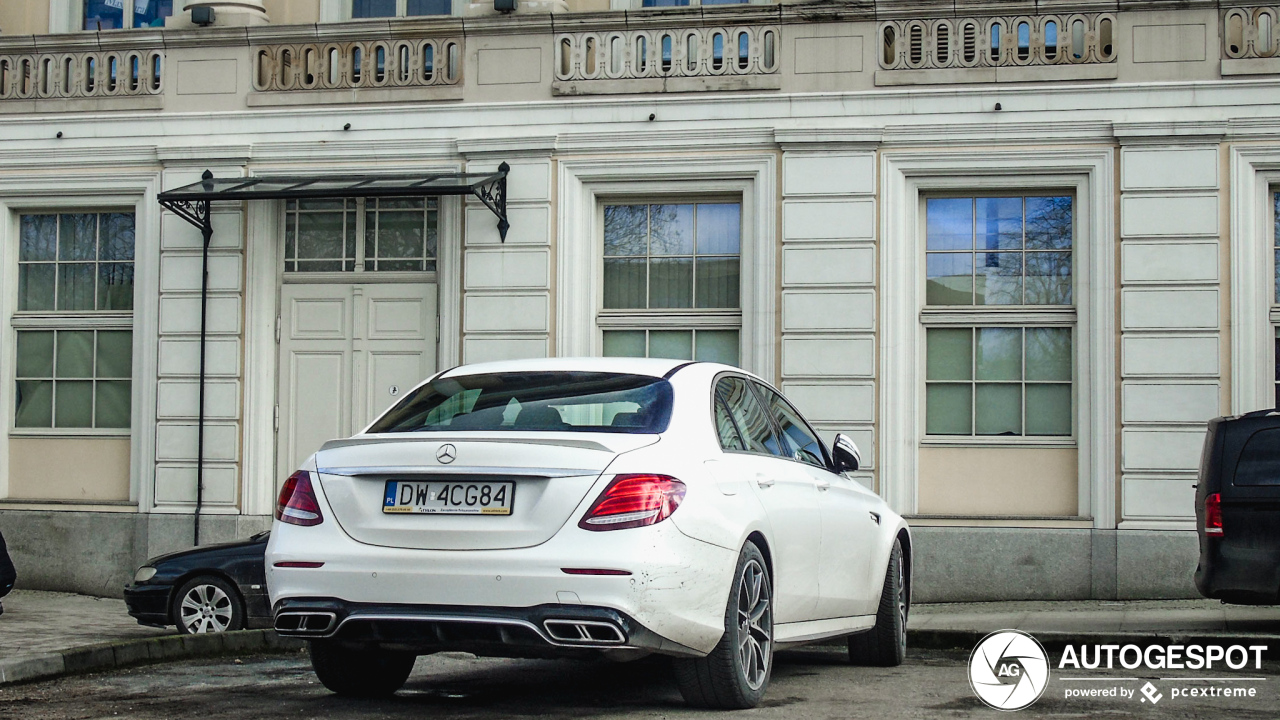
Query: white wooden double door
[[347, 352]]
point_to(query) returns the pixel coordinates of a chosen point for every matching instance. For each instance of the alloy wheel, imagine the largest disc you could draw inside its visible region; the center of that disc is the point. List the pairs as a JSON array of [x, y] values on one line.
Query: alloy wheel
[[206, 609], [755, 624]]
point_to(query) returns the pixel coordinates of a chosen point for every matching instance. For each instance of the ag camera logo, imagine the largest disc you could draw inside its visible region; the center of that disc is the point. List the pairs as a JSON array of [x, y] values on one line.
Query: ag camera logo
[[1009, 670]]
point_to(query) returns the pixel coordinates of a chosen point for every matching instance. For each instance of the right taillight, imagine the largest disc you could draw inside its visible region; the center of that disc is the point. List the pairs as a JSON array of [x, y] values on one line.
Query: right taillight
[[634, 501], [1213, 515], [297, 504]]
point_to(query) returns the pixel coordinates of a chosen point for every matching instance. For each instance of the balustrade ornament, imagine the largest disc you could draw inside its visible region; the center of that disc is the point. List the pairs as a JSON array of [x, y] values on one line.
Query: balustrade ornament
[[1012, 41], [1250, 32], [100, 74], [360, 64], [682, 52]]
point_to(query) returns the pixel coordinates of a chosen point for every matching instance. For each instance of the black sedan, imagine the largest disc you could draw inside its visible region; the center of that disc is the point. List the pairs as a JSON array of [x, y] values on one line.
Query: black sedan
[[204, 590]]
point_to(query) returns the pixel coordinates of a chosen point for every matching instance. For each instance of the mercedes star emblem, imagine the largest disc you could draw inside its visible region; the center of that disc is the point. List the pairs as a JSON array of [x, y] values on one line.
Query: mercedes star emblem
[[446, 453]]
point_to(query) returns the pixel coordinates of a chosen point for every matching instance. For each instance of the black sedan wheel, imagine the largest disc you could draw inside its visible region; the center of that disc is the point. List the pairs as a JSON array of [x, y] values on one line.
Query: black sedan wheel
[[207, 604]]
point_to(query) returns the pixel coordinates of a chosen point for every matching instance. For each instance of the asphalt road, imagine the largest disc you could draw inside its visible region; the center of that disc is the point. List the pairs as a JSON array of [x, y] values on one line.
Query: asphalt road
[[806, 684]]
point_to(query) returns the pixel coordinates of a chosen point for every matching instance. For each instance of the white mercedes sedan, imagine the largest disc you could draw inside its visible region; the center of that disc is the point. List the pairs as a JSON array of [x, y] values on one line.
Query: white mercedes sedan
[[587, 507]]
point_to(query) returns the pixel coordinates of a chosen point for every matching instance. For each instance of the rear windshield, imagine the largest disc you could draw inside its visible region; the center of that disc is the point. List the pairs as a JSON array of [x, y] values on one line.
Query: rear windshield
[[1260, 460], [536, 401]]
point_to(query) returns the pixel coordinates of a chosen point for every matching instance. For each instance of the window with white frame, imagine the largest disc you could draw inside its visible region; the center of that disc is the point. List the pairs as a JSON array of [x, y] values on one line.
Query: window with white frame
[[74, 322], [125, 14], [686, 3], [672, 280], [399, 8], [361, 235], [999, 316]]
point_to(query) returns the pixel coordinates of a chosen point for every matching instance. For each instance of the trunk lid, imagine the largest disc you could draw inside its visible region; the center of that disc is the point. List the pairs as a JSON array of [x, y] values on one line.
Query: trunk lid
[[551, 472]]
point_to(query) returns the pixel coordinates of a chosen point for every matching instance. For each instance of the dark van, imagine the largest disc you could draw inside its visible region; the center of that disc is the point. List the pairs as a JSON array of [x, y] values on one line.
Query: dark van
[[1238, 510]]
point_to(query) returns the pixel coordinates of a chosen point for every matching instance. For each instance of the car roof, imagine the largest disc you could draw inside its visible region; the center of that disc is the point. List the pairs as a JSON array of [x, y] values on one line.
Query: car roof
[[654, 367]]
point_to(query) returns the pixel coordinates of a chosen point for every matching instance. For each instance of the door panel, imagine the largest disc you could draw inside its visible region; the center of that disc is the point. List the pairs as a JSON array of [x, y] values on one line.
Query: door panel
[[347, 352], [848, 537]]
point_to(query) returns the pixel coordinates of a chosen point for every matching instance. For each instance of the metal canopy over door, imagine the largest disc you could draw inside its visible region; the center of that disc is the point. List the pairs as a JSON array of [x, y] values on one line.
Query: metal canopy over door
[[347, 352]]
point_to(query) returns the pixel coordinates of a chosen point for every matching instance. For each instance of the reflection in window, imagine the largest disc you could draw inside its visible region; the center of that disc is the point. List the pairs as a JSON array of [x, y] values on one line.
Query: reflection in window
[[400, 8], [123, 14], [998, 251], [74, 378], [998, 381], [75, 262], [400, 234]]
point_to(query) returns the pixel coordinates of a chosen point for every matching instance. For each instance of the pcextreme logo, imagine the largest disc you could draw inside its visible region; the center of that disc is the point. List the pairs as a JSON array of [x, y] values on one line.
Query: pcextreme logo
[[1009, 670]]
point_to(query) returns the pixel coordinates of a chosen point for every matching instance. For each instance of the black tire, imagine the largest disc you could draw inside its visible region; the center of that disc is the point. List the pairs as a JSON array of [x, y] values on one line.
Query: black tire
[[885, 645], [736, 673], [207, 604], [356, 672]]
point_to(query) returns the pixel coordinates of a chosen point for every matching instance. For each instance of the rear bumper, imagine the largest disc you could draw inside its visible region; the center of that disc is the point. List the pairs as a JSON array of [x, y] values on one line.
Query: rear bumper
[[539, 631], [1244, 575]]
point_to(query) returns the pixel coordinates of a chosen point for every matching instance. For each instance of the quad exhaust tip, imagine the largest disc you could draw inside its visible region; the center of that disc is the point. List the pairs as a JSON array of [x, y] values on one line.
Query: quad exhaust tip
[[584, 632], [305, 623]]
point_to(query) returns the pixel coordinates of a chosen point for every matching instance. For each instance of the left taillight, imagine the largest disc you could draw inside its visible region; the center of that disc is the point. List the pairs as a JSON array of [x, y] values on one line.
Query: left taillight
[[298, 504], [634, 501], [1213, 515]]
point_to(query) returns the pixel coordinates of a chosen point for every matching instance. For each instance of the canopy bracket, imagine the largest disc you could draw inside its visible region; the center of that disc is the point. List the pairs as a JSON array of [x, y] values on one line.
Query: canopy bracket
[[494, 196]]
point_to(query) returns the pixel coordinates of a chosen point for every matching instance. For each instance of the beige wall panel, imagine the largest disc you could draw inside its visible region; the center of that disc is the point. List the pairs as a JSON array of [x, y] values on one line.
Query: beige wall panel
[[526, 180], [1169, 309], [998, 481], [1169, 216], [181, 399], [488, 349], [182, 357], [24, 17], [207, 77], [1166, 403], [507, 269], [829, 266], [529, 226], [833, 174], [292, 12], [1158, 498], [177, 484], [833, 402], [829, 356], [506, 313], [1169, 262], [1169, 169], [178, 234], [180, 273], [837, 54], [829, 220], [510, 66], [76, 469], [1159, 356], [1169, 43], [828, 310], [177, 441], [1161, 449]]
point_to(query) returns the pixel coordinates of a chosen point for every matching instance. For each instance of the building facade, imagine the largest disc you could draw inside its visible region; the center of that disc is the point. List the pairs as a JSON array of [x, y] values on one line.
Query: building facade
[[1019, 253]]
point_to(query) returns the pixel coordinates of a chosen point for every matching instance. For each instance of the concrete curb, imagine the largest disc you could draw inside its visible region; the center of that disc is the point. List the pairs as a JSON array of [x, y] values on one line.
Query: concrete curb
[[106, 656], [968, 639]]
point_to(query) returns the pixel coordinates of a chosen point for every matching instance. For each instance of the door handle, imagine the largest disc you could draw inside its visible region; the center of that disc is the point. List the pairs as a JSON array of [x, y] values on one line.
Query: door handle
[[764, 481], [823, 485]]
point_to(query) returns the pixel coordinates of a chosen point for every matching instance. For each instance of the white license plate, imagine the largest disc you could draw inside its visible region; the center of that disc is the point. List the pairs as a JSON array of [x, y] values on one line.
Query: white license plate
[[448, 498]]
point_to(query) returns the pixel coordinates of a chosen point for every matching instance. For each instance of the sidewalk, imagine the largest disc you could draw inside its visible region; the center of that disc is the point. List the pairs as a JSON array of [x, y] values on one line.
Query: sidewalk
[[46, 634]]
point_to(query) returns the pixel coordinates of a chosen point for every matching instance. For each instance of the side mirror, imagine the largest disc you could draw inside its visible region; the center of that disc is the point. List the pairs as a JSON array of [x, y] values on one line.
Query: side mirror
[[845, 453]]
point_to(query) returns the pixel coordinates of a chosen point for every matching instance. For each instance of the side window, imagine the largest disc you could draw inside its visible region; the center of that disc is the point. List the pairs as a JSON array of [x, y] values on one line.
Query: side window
[[751, 417], [725, 429], [1260, 459], [806, 447]]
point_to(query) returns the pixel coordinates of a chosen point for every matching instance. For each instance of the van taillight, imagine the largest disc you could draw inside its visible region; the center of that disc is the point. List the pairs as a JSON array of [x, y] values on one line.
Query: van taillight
[[634, 501], [298, 504], [1213, 515]]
